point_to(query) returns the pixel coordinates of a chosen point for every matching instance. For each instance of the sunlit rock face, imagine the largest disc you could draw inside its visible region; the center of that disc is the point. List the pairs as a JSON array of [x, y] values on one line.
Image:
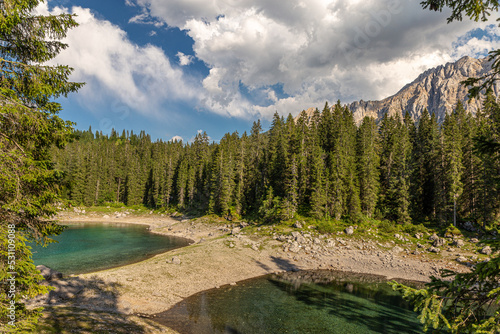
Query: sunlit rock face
[[437, 89]]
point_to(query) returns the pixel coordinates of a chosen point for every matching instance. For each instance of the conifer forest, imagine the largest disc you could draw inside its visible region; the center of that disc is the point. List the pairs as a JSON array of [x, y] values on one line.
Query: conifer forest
[[322, 166]]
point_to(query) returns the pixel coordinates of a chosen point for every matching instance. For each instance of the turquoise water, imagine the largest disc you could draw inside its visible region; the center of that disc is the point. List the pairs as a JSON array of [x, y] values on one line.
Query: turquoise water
[[88, 247], [302, 302]]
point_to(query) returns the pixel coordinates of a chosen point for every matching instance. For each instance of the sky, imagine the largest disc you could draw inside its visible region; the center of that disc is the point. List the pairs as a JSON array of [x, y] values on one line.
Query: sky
[[176, 68]]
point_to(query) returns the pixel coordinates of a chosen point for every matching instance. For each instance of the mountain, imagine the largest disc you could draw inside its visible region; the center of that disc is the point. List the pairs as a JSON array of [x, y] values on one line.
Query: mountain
[[437, 89]]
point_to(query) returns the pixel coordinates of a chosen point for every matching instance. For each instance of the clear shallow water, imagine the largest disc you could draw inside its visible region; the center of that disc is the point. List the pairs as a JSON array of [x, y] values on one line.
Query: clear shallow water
[[302, 302], [88, 247]]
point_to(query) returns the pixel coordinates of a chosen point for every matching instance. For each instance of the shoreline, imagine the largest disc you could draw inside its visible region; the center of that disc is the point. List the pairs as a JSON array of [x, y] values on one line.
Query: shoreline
[[221, 256]]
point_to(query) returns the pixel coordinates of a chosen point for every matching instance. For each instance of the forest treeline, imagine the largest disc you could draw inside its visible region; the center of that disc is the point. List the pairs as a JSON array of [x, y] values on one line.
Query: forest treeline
[[324, 166]]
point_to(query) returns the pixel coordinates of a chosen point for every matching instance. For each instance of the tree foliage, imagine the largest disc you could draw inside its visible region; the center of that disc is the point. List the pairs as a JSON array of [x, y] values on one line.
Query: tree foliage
[[29, 127]]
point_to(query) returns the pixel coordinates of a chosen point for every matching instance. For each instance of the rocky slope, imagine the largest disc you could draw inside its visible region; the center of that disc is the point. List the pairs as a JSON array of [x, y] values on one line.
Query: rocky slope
[[437, 89]]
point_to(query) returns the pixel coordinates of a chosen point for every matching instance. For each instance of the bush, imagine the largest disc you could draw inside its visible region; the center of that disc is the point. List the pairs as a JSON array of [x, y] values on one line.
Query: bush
[[327, 226], [387, 226]]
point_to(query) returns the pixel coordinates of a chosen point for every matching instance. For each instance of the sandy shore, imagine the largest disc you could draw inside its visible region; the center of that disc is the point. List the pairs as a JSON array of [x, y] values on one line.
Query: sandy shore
[[217, 258]]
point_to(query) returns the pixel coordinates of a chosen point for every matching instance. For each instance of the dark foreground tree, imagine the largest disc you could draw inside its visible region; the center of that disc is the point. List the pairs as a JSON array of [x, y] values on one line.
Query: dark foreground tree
[[29, 126], [465, 303]]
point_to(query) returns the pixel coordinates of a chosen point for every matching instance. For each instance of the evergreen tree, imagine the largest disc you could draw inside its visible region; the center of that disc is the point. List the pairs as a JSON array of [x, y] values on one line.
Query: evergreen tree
[[368, 163], [452, 151], [29, 127]]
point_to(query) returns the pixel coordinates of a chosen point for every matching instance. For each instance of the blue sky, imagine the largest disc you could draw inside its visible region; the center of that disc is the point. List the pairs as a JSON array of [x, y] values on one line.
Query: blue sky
[[173, 68]]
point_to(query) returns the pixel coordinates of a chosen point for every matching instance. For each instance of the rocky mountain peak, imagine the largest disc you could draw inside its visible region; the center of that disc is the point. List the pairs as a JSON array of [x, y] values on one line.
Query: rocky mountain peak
[[437, 89]]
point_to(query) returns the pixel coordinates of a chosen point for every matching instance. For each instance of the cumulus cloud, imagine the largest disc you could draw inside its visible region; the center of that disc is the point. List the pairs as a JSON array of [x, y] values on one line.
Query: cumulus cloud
[[184, 59], [140, 77], [316, 50], [176, 138]]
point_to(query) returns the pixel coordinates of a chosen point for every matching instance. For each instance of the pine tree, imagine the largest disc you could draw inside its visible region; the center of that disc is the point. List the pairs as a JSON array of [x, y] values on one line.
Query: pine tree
[[29, 128], [394, 169], [452, 151], [368, 163]]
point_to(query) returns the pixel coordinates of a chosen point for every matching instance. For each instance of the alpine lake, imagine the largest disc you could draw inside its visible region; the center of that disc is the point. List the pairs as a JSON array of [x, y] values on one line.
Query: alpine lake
[[319, 301]]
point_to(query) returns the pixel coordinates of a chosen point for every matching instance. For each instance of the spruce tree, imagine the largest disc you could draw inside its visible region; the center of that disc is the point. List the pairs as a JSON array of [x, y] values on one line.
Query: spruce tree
[[368, 162], [29, 127]]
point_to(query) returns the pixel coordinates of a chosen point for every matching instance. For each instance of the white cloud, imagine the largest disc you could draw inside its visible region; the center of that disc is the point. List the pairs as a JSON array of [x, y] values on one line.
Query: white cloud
[[140, 77], [184, 59], [317, 50], [176, 138]]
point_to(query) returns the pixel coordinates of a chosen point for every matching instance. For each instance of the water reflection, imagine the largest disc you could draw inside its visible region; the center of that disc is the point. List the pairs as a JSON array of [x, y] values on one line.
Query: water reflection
[[296, 302]]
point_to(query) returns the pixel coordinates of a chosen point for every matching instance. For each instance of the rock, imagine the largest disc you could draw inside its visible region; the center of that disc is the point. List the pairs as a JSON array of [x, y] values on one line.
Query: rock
[[176, 260], [416, 252], [397, 249], [232, 284], [243, 224], [235, 230], [231, 245], [297, 224], [298, 237], [474, 240], [49, 274], [458, 243], [461, 259], [201, 240], [436, 89], [419, 235], [317, 241], [255, 247], [433, 237], [469, 226], [349, 230], [433, 250], [294, 247], [105, 216], [282, 237], [439, 242], [330, 243], [486, 250]]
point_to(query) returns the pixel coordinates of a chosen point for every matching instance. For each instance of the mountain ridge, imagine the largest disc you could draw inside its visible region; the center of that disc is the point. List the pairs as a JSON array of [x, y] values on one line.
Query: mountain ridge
[[437, 89]]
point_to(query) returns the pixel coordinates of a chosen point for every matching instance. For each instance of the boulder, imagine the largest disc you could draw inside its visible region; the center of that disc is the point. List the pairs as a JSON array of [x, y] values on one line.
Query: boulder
[[433, 250], [469, 226], [439, 242], [461, 259], [235, 230], [330, 243], [49, 274], [294, 247], [433, 237], [486, 250], [349, 230], [458, 243], [397, 249], [176, 260], [297, 224]]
